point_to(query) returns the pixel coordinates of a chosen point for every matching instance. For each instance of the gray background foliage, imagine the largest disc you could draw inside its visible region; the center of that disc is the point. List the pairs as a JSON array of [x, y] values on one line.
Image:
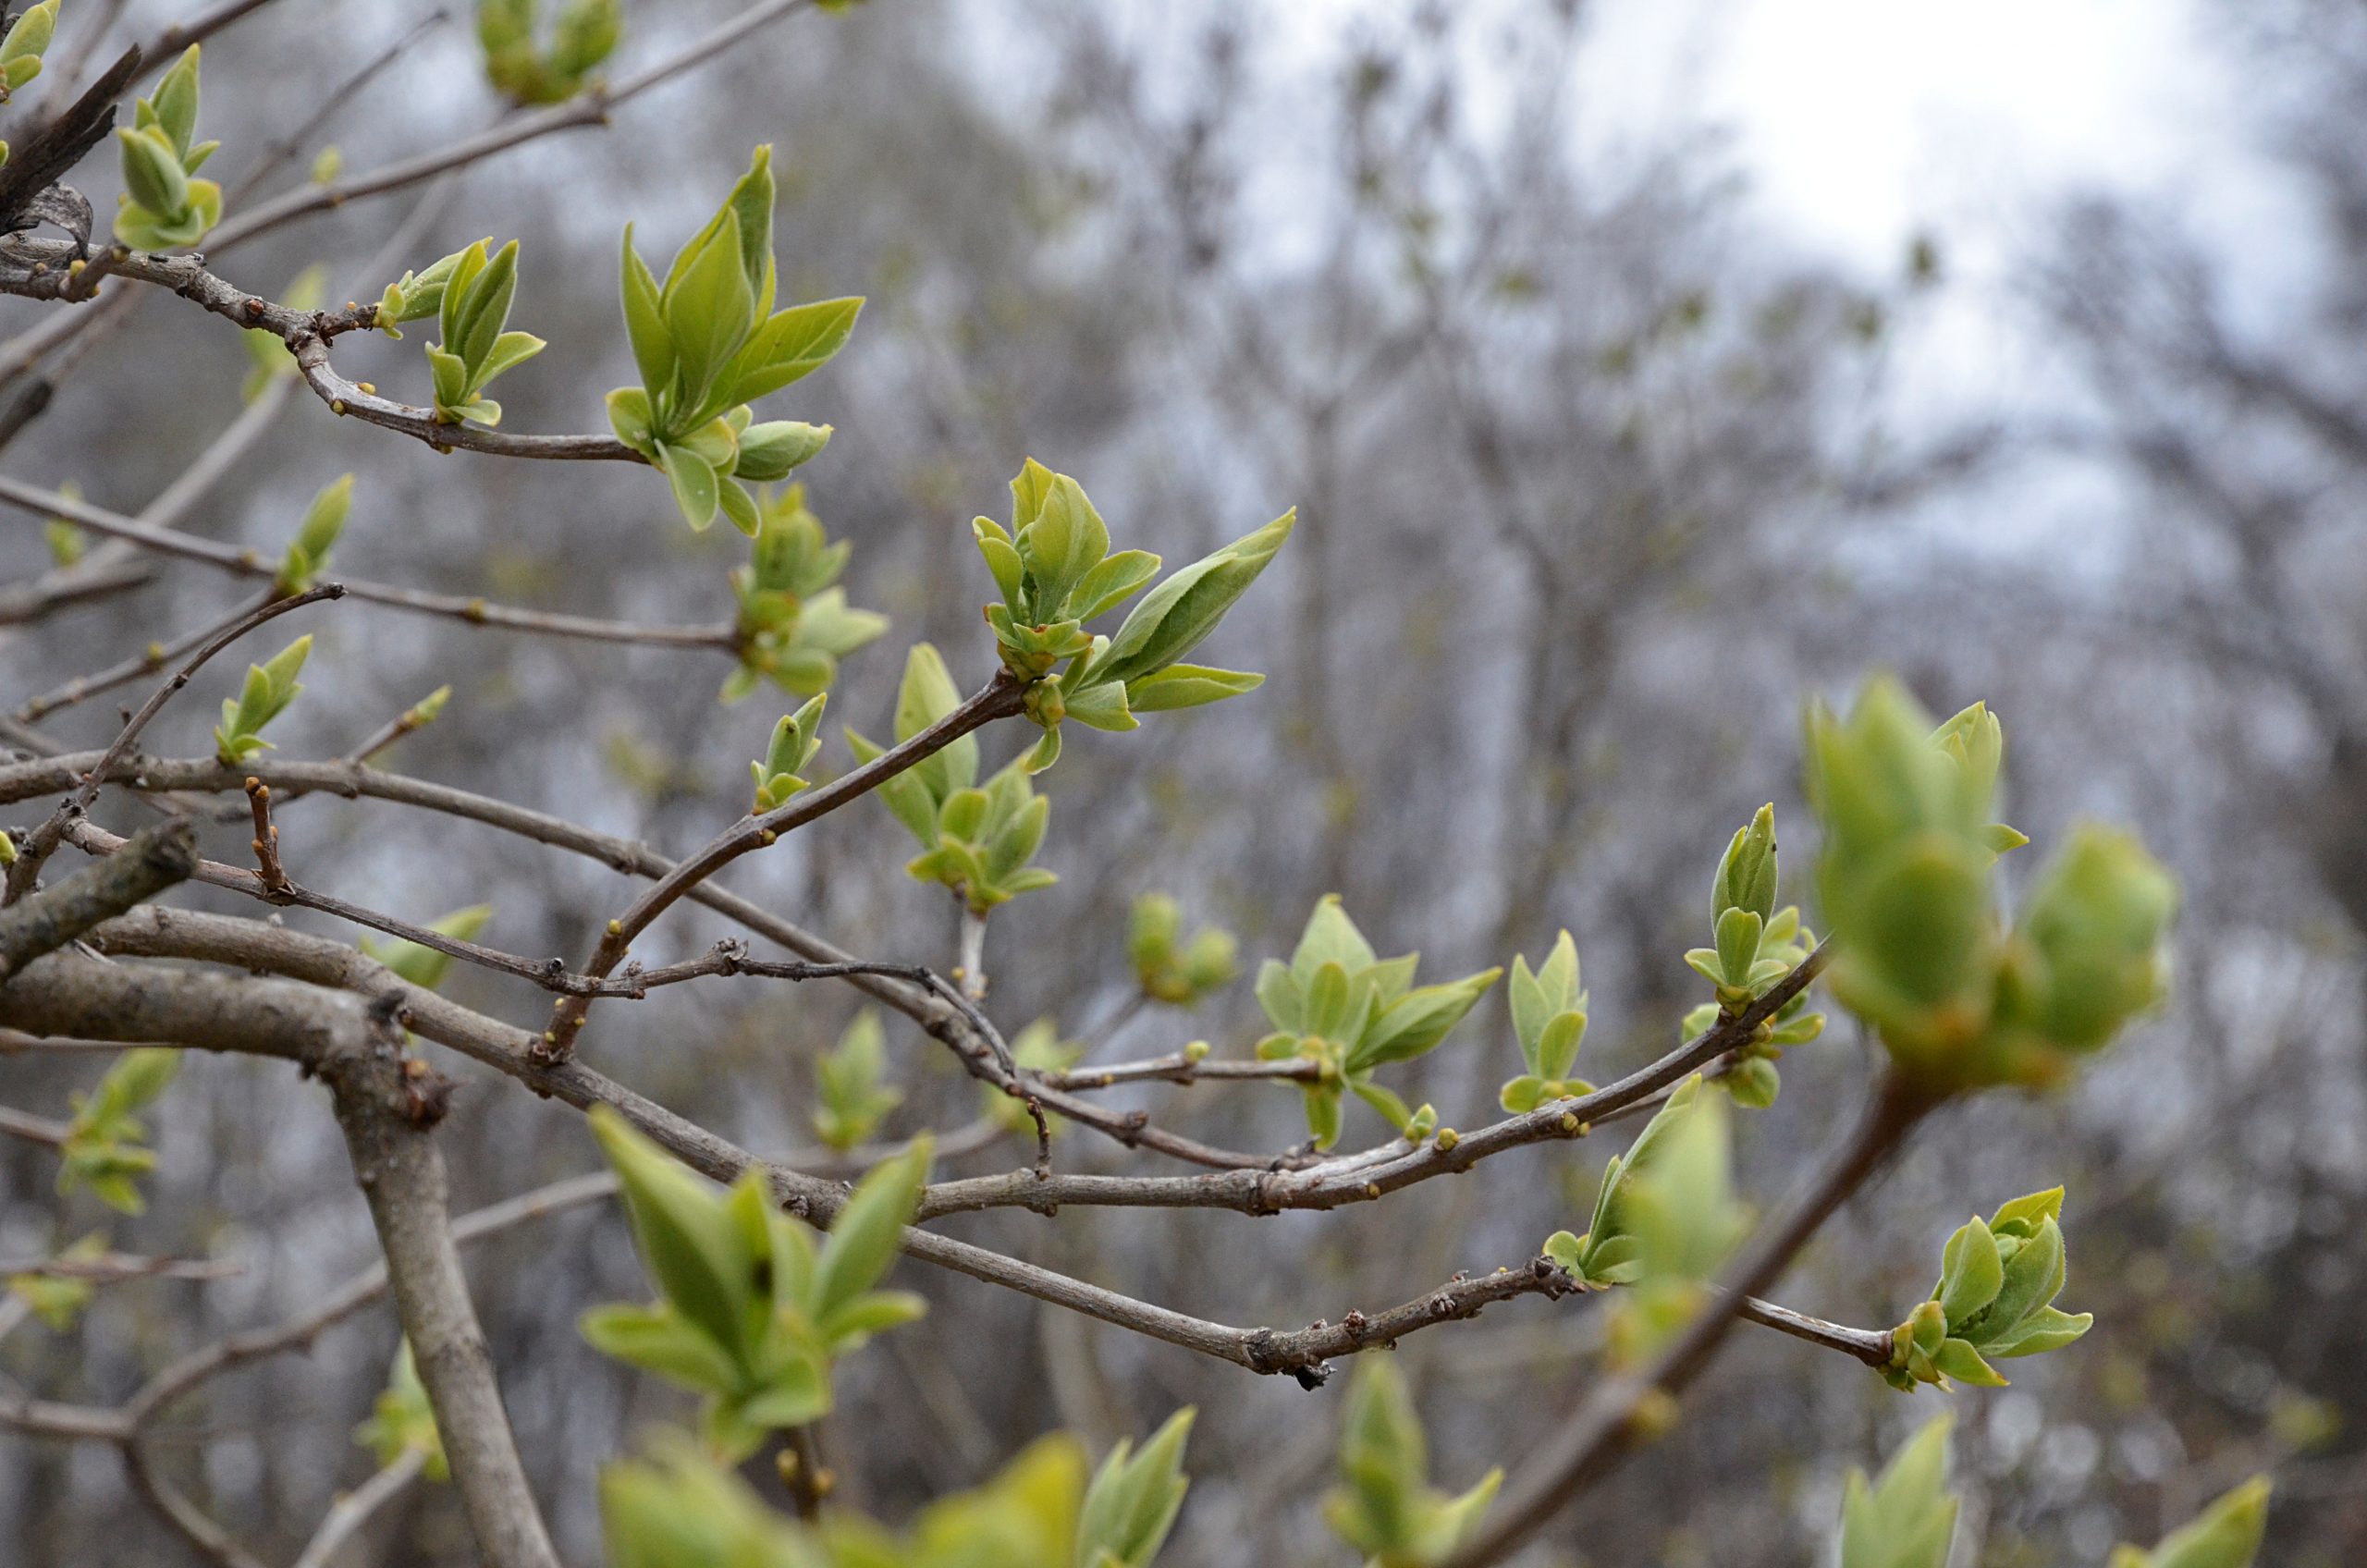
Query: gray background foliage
[[1599, 475]]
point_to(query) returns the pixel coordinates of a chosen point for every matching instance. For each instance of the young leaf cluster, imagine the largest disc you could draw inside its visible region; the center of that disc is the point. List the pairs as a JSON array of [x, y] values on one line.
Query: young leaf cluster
[[1338, 1004], [316, 535], [679, 1509], [23, 45], [58, 1299], [1907, 1519], [1757, 945], [1959, 998], [20, 51], [708, 343], [1170, 967], [67, 543], [1055, 569], [469, 293], [1550, 1016], [1664, 1217], [975, 839], [269, 688], [750, 1313], [1385, 1506], [850, 1084], [102, 1151], [527, 71], [1998, 1281], [794, 624], [795, 742], [403, 1422], [164, 206]]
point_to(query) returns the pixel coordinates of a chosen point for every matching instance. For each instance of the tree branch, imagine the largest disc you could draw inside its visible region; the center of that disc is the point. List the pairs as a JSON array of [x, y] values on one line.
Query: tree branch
[[1000, 698], [155, 859], [387, 1125]]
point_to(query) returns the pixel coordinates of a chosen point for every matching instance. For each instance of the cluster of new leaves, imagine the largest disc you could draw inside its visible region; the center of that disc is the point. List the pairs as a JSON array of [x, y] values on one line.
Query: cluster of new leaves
[[751, 1314], [267, 355], [401, 1421], [1959, 998], [794, 624], [1907, 1519], [679, 1510], [165, 205], [851, 1090], [1385, 1506], [20, 51], [530, 73], [975, 840], [1665, 1216], [1350, 1012], [1998, 1281], [421, 965], [316, 535], [469, 293], [796, 741], [1758, 944], [1339, 1005], [708, 343], [58, 1299], [102, 1150], [1550, 1017], [269, 688], [1056, 572], [1170, 967]]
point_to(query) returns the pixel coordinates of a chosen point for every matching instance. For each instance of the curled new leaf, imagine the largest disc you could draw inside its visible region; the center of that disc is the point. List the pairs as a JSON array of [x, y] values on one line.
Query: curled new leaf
[[1134, 1498], [270, 687], [316, 535], [1907, 1519], [796, 740]]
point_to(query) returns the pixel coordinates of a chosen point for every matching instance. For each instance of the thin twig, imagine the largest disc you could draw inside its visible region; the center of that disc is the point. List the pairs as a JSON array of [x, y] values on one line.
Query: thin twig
[[31, 499], [353, 1509], [590, 107], [43, 840], [1000, 698], [33, 1129], [111, 1266]]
